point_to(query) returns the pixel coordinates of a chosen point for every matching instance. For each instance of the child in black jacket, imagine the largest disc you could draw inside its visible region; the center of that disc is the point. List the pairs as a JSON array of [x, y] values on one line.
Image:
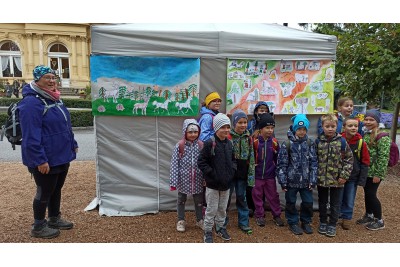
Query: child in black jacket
[[218, 164]]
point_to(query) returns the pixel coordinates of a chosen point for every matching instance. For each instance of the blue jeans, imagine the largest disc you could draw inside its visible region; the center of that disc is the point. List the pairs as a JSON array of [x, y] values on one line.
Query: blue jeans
[[333, 196], [241, 202], [349, 195], [306, 206]]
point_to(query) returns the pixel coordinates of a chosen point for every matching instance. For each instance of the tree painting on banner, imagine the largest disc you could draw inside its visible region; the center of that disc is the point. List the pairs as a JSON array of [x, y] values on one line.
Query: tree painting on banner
[[289, 87], [144, 86]]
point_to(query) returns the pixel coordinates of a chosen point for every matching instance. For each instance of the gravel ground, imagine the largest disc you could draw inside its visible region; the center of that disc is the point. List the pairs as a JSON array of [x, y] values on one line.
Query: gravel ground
[[17, 191]]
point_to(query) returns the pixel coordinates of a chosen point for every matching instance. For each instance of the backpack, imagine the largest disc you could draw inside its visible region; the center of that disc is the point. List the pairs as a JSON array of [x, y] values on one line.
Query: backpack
[[394, 150], [181, 146], [255, 146], [358, 149], [12, 128]]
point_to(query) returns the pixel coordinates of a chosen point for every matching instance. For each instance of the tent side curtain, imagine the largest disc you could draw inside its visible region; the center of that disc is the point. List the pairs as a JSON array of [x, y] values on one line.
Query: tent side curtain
[[241, 41]]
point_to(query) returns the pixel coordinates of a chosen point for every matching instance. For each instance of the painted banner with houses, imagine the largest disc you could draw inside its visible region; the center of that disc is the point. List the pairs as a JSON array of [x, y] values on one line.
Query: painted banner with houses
[[144, 86], [289, 87]]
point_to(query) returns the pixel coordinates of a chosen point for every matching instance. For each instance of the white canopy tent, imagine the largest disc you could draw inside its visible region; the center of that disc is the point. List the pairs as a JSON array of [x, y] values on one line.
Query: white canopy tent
[[133, 153]]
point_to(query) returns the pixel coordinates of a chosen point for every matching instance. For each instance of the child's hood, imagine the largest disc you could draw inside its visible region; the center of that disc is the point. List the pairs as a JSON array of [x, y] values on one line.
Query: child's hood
[[186, 124]]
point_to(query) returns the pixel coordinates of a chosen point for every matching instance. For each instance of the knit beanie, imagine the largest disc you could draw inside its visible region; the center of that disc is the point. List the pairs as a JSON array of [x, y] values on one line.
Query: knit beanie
[[374, 113], [220, 120], [300, 120], [41, 70], [266, 119], [237, 115], [210, 97]]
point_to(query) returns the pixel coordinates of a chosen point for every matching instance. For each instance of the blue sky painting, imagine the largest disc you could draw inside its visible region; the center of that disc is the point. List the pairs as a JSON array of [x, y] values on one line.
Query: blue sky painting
[[145, 70]]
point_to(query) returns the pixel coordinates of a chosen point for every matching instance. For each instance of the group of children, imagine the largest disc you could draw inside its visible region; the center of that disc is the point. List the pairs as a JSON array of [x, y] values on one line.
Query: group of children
[[213, 160]]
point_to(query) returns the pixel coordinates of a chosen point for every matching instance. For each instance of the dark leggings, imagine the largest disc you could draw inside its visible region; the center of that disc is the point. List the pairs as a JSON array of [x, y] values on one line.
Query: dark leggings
[[372, 203], [48, 194]]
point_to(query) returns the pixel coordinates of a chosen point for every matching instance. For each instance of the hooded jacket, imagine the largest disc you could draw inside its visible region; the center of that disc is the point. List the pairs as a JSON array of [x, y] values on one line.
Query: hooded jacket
[[267, 157], [244, 154], [46, 138], [333, 163], [218, 169], [184, 172], [206, 123], [360, 165], [379, 152], [298, 169]]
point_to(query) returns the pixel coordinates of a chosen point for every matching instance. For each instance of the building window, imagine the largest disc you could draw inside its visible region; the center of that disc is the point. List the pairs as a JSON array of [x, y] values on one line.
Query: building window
[[59, 60], [10, 59]]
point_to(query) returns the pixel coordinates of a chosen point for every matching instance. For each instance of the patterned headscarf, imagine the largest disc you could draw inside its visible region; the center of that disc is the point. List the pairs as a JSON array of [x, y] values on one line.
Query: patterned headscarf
[[41, 70]]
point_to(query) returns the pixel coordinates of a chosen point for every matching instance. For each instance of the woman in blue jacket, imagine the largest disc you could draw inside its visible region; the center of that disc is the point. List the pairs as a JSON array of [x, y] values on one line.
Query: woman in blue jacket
[[48, 146]]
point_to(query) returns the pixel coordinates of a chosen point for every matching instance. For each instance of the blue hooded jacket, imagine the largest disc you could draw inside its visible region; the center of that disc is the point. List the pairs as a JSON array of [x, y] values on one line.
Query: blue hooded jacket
[[298, 168], [46, 138], [206, 123]]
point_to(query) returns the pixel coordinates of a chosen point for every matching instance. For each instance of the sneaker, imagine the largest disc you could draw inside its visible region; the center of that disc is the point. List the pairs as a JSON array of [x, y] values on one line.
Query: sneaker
[[200, 224], [307, 228], [278, 221], [43, 231], [181, 226], [208, 237], [330, 231], [295, 229], [365, 219], [246, 229], [60, 223], [260, 221], [375, 225], [322, 228], [346, 224], [223, 234]]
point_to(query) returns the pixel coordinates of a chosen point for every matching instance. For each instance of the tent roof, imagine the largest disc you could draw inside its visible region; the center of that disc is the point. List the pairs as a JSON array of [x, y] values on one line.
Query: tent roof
[[236, 41]]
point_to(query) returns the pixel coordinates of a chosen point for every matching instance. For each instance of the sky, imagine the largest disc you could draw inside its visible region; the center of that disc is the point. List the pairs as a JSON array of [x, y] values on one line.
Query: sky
[[147, 70]]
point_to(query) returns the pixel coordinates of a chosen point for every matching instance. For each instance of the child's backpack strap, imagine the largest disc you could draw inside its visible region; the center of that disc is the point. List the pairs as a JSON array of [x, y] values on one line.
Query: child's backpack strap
[[181, 146], [287, 143], [213, 145], [275, 144], [343, 147], [255, 148], [359, 148]]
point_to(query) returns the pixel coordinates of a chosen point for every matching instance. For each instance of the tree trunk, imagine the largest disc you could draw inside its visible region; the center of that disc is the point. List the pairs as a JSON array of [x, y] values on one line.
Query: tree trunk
[[393, 131]]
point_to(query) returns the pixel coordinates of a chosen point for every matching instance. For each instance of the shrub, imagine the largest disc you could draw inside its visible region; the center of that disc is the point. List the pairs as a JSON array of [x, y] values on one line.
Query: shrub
[[79, 118], [68, 102]]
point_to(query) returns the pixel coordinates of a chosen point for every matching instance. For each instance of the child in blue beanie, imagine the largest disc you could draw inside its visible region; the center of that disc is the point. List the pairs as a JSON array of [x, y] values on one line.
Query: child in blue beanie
[[297, 173]]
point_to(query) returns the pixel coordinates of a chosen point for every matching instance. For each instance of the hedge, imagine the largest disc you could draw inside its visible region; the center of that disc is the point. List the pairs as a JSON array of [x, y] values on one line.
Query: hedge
[[79, 118], [69, 102]]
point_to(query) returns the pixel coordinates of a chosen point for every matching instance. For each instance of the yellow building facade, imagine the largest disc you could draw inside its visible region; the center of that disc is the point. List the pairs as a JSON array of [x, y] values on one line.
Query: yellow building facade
[[63, 47]]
